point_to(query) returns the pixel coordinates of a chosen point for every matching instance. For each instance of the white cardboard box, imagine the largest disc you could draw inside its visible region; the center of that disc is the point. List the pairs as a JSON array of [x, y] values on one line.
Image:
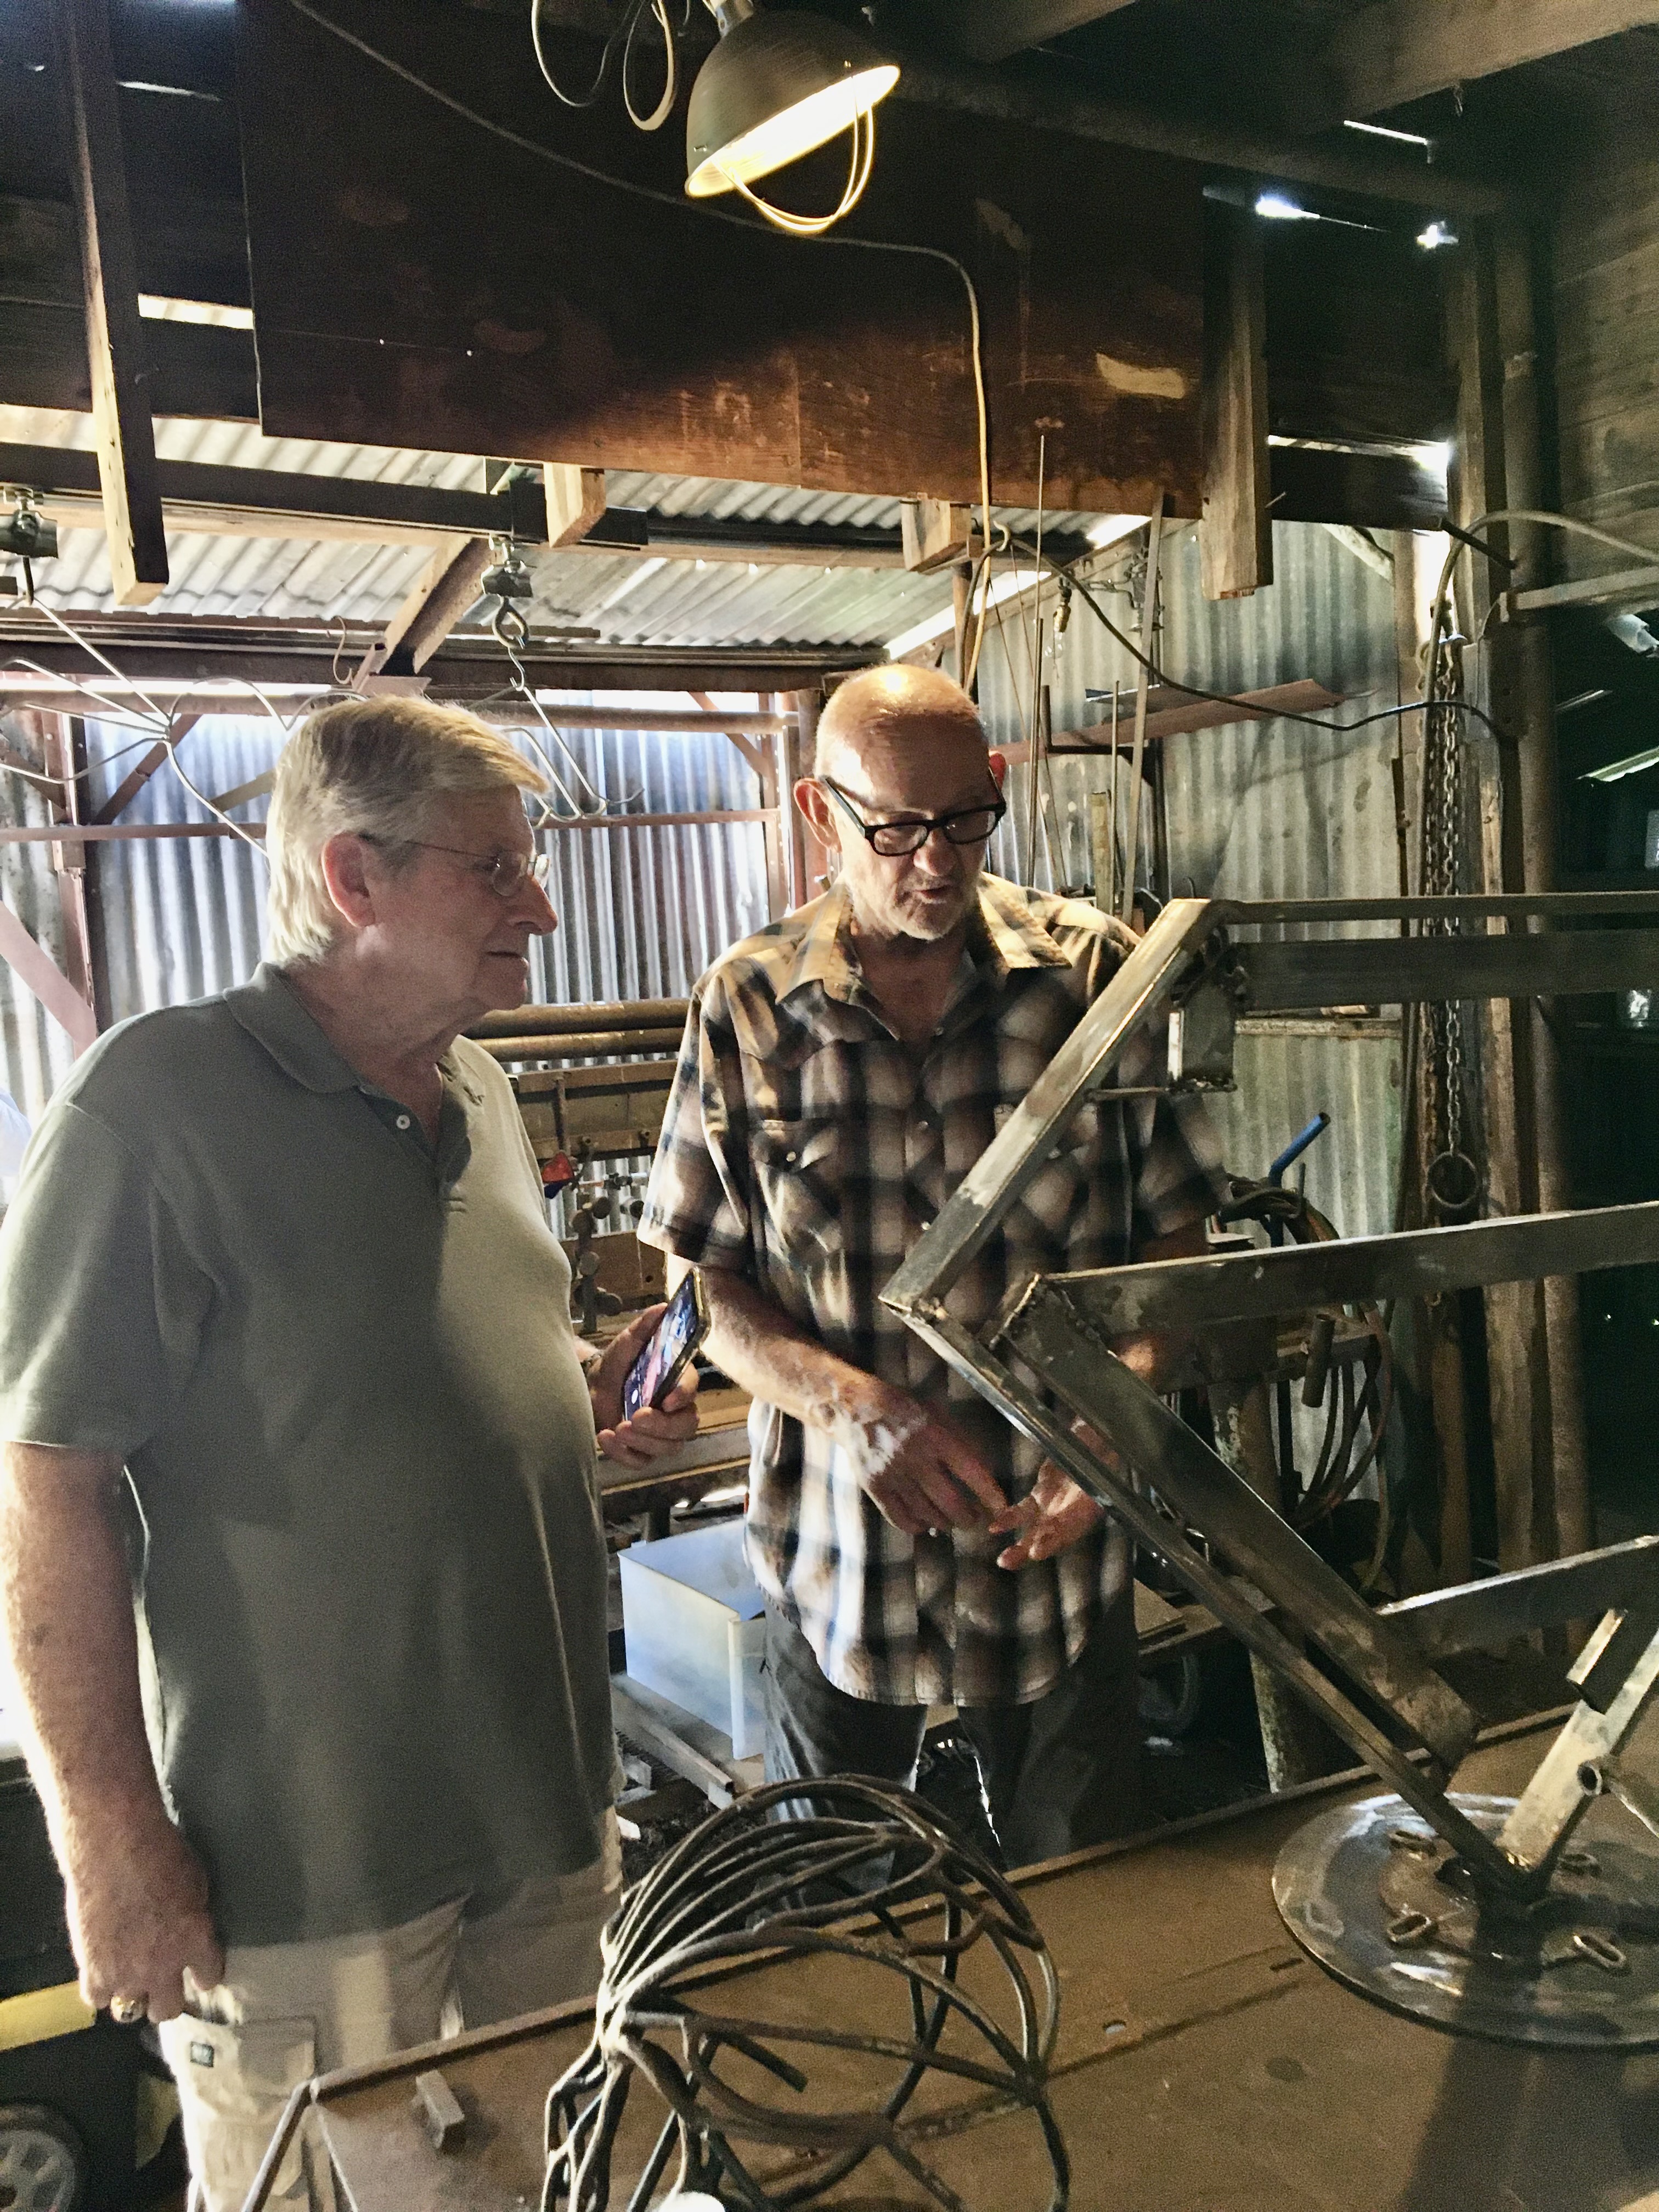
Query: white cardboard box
[[694, 1620]]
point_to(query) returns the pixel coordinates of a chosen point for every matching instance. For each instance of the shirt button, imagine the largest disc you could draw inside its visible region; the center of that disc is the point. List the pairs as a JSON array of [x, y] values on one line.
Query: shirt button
[[403, 1121], [791, 1158]]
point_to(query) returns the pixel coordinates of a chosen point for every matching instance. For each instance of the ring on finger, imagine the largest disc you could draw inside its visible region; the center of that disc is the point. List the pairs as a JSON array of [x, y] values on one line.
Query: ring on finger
[[126, 2011]]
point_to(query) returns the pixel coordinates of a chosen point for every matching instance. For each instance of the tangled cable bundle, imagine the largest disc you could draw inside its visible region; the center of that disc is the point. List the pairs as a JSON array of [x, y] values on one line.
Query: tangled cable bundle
[[865, 1873]]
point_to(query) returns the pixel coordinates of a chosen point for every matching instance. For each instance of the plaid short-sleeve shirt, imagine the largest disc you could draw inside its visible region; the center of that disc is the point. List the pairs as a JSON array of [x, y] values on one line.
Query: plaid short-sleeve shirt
[[806, 1148]]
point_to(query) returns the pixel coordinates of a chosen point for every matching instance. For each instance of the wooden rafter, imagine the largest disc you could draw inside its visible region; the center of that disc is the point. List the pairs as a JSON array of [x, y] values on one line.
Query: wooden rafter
[[121, 409], [991, 30], [36, 969], [1236, 542], [1397, 51], [447, 588]]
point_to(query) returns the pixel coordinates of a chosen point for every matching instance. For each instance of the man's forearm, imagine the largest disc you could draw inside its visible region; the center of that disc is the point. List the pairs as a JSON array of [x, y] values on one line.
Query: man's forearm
[[66, 1610], [772, 1357]]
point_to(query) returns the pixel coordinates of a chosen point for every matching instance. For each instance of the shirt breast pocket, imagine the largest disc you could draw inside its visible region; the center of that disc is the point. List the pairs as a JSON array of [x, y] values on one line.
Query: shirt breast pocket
[[798, 1174]]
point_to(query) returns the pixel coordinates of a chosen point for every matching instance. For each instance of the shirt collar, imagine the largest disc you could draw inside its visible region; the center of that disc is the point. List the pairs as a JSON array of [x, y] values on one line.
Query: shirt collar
[[824, 956], [269, 1009], [1015, 935], [1005, 933], [272, 1010]]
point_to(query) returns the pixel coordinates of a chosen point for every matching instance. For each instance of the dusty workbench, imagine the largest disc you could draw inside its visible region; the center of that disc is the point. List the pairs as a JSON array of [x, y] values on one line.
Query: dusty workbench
[[1205, 2064]]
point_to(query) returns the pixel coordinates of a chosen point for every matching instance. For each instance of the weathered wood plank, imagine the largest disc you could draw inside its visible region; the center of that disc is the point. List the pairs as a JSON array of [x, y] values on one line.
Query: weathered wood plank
[[1236, 538], [196, 370], [396, 303], [1396, 51], [121, 397]]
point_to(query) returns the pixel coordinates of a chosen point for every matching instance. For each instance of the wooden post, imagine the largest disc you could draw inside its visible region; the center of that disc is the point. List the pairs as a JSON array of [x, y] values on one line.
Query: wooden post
[[774, 797], [1235, 540], [575, 501], [448, 587], [1563, 1521], [121, 407], [800, 747], [1517, 1342], [1138, 751], [63, 745]]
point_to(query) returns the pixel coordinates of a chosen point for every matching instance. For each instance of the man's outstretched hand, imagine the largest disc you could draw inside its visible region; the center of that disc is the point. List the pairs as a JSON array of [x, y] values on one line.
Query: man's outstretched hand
[[653, 1430], [1056, 1512]]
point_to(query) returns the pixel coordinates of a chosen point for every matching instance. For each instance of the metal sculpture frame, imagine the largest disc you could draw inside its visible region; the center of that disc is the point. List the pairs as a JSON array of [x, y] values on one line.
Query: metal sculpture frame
[[1192, 969], [802, 1868]]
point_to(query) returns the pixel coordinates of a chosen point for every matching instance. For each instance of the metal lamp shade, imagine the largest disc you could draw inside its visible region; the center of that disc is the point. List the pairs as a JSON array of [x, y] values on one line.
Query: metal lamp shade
[[773, 88]]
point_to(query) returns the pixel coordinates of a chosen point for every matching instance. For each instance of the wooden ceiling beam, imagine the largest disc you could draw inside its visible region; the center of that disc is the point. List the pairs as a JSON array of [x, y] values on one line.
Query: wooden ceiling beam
[[1236, 537], [991, 30], [120, 365], [447, 588], [1397, 51]]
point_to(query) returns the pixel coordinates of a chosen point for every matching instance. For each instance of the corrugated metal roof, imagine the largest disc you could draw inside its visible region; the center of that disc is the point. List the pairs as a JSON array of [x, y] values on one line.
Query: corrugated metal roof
[[630, 601]]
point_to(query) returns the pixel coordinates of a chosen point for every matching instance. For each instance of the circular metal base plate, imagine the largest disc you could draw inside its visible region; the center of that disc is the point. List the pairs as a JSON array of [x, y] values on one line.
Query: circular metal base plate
[[1383, 1903]]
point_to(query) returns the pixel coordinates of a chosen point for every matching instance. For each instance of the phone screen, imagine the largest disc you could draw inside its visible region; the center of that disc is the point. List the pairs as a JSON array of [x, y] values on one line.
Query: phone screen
[[658, 1367]]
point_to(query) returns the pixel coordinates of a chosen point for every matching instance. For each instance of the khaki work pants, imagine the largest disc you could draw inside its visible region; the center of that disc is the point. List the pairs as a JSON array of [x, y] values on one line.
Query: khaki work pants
[[286, 2011]]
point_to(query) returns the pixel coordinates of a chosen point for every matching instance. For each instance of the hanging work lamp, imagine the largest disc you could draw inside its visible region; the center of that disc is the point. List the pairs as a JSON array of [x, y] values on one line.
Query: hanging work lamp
[[775, 87]]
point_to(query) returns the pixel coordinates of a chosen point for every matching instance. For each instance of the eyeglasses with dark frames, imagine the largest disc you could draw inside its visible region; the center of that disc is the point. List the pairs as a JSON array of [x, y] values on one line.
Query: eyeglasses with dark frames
[[966, 825], [506, 873]]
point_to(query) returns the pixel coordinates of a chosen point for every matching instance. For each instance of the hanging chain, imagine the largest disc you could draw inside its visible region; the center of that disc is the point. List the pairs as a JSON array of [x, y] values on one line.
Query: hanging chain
[[1451, 1176]]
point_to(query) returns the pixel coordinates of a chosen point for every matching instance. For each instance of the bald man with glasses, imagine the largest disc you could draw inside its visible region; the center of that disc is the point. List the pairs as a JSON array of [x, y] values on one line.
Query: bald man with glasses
[[842, 1072]]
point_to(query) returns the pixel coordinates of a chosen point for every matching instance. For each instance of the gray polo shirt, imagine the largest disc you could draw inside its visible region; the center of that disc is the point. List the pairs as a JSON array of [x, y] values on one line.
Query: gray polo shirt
[[340, 1367]]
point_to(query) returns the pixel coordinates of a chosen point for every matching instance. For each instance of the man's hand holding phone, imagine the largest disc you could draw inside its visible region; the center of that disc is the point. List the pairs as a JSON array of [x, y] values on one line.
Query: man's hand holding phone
[[637, 1439]]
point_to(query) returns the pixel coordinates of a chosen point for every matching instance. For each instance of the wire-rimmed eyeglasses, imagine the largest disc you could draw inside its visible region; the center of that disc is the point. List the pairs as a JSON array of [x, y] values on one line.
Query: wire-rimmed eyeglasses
[[965, 825], [506, 873]]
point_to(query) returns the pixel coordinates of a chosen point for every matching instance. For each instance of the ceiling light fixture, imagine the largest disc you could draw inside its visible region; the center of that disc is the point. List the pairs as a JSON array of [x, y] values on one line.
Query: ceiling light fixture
[[1437, 233], [777, 87]]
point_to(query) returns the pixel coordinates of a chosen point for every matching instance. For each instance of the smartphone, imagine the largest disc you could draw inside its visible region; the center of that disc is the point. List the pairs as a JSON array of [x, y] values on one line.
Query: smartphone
[[673, 1344]]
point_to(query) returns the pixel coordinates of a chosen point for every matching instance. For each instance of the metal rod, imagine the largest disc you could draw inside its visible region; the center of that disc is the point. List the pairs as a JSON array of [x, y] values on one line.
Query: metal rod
[[1385, 970], [1148, 638], [1232, 1601], [1052, 1339], [1411, 1263], [565, 1021], [1503, 1607], [1141, 986]]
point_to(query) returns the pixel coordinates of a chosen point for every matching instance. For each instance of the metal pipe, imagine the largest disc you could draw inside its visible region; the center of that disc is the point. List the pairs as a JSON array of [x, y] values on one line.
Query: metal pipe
[[573, 1021], [590, 1045]]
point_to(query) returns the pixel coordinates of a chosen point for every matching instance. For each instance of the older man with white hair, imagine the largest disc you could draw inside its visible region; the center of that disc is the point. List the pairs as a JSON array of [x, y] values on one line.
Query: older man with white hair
[[840, 1073], [302, 1565]]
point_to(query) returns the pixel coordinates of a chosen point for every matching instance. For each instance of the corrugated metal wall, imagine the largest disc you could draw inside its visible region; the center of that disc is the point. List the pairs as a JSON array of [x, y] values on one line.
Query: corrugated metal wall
[[642, 911], [1256, 810]]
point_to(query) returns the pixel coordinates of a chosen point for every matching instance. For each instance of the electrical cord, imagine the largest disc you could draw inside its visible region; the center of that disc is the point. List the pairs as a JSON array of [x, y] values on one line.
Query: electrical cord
[[649, 193], [1161, 675]]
